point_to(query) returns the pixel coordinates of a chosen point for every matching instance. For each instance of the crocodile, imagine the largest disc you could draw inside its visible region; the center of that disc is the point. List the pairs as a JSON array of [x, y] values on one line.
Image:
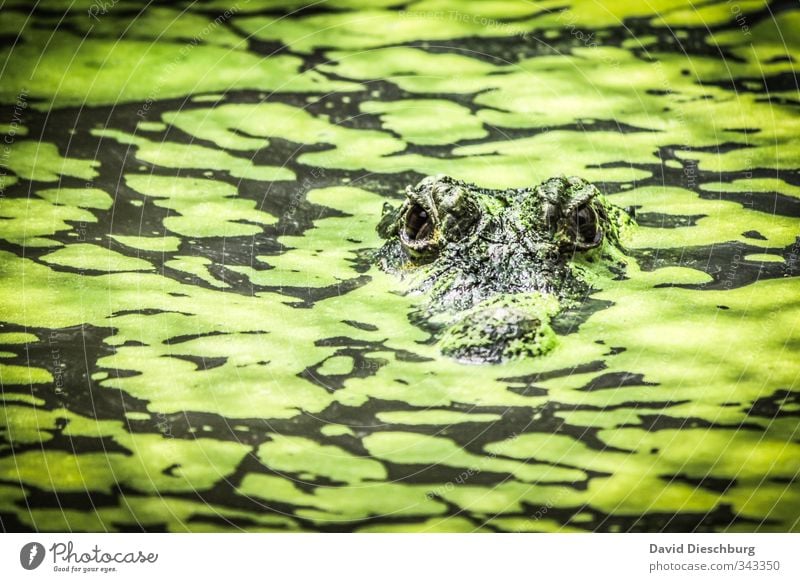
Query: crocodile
[[497, 265]]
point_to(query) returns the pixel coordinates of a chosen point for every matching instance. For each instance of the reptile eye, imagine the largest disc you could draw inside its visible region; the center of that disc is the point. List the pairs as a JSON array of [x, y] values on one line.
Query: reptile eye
[[584, 228], [419, 225]]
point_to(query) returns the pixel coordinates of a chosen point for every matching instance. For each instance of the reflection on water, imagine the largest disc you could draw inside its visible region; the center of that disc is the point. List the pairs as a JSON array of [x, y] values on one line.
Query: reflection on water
[[193, 334]]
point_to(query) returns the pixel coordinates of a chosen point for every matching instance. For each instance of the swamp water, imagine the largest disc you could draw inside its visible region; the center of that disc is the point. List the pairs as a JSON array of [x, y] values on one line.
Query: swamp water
[[194, 337]]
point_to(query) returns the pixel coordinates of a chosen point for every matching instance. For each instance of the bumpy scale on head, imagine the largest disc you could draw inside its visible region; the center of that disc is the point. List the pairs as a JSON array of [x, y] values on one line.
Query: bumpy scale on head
[[498, 264]]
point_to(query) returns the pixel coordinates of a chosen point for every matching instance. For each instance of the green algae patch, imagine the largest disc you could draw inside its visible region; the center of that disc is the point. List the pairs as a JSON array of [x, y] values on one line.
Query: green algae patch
[[273, 5], [168, 512], [740, 454], [157, 244], [343, 504], [442, 417], [368, 29], [62, 69], [137, 416], [480, 11], [246, 386], [286, 454], [21, 397], [720, 220], [593, 83], [30, 424], [159, 25], [193, 156], [532, 525], [72, 6], [427, 121], [682, 324], [764, 258], [78, 197], [206, 208], [709, 15], [153, 468], [769, 41], [333, 430], [410, 448], [23, 375], [210, 98], [195, 267], [337, 365], [152, 463], [224, 125], [754, 186], [542, 92], [589, 15], [17, 338], [6, 181], [147, 126], [323, 255], [556, 449], [528, 161], [395, 63], [29, 221], [87, 257], [42, 162], [433, 525], [230, 126]]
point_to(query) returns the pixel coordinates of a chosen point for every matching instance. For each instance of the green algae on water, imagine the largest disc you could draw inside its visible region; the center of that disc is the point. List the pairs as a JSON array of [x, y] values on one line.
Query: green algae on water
[[204, 323]]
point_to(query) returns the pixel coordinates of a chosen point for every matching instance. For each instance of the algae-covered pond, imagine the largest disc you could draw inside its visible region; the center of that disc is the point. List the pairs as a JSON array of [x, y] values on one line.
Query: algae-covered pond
[[195, 337]]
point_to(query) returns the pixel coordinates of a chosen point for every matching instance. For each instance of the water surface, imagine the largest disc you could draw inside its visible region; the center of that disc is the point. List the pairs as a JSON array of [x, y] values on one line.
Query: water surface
[[194, 337]]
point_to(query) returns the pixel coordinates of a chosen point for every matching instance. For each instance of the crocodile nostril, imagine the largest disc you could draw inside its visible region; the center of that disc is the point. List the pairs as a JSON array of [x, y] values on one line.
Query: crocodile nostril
[[419, 225]]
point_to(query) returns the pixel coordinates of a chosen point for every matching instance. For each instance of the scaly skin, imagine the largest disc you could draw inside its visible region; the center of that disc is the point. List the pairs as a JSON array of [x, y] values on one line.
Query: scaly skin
[[497, 265]]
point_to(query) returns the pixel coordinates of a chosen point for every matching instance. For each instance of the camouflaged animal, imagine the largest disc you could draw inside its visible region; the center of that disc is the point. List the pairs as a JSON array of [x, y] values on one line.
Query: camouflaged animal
[[497, 265]]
